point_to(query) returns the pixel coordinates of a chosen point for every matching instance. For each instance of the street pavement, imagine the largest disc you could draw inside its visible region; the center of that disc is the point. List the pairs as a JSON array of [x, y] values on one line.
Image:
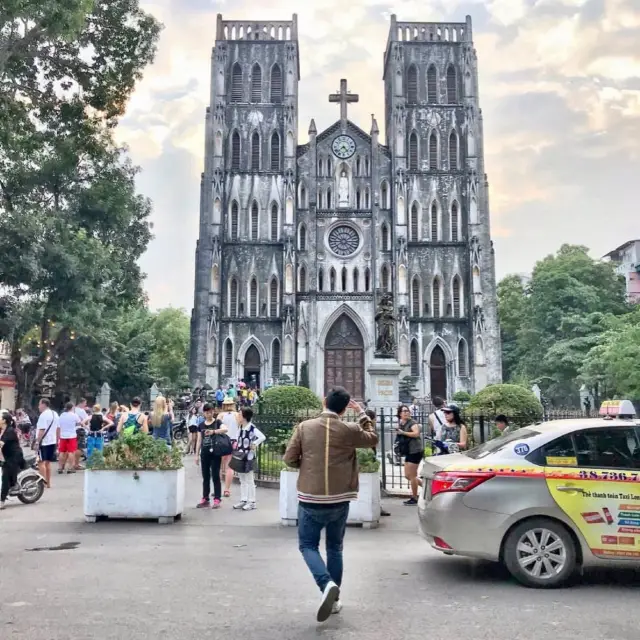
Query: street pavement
[[225, 574]]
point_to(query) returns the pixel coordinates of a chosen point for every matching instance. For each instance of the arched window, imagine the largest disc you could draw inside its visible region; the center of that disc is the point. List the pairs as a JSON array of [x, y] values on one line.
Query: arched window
[[413, 152], [415, 298], [329, 166], [255, 151], [434, 222], [236, 83], [358, 198], [453, 151], [332, 279], [367, 280], [356, 278], [412, 85], [329, 199], [433, 151], [366, 166], [480, 355], [455, 289], [358, 166], [233, 230], [274, 222], [235, 151], [452, 85], [385, 278], [256, 83], [275, 359], [320, 167], [302, 280], [302, 238], [233, 298], [367, 203], [432, 85], [253, 298], [454, 222], [273, 298], [384, 195], [415, 359], [413, 227], [303, 198], [275, 151], [463, 370], [228, 358], [384, 232], [276, 84], [320, 280], [254, 221], [344, 278], [435, 291]]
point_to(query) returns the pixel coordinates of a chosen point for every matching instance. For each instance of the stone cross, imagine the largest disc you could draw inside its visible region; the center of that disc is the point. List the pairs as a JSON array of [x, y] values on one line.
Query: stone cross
[[344, 97]]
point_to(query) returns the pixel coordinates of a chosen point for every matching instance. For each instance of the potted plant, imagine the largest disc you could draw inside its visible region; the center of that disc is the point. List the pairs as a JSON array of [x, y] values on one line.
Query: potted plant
[[135, 477], [365, 510]]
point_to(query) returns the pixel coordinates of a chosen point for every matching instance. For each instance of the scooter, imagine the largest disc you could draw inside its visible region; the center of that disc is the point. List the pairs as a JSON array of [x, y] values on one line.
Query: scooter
[[180, 434], [30, 485]]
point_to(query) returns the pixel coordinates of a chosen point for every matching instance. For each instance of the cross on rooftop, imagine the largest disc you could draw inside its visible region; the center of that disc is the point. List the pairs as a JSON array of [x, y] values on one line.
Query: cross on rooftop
[[344, 97]]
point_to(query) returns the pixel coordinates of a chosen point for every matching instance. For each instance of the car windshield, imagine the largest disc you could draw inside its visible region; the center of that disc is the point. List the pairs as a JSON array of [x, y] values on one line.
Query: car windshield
[[497, 444]]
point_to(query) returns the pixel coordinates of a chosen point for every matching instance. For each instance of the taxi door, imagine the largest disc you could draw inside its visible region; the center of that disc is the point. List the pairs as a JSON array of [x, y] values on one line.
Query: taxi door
[[594, 477]]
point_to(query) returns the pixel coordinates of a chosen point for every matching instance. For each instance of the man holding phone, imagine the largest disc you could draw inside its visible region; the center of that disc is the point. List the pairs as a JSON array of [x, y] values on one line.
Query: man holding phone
[[324, 449]]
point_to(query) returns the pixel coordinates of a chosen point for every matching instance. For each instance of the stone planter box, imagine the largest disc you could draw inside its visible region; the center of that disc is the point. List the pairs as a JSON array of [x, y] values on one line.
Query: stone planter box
[[365, 510], [134, 494]]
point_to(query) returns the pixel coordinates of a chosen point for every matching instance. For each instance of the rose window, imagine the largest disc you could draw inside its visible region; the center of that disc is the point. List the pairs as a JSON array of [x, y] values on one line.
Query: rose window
[[344, 240]]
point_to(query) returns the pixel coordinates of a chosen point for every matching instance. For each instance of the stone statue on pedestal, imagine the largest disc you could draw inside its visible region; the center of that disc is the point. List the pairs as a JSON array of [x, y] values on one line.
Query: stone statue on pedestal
[[343, 190], [385, 321]]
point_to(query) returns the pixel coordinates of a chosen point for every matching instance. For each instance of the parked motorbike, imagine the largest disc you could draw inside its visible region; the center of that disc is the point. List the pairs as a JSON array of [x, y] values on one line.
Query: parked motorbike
[[30, 485], [180, 434]]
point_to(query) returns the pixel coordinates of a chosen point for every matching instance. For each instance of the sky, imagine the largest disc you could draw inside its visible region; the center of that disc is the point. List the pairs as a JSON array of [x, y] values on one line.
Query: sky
[[559, 90]]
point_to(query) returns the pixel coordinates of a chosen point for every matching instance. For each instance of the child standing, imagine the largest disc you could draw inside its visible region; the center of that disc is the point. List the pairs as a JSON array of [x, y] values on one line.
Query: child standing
[[249, 438]]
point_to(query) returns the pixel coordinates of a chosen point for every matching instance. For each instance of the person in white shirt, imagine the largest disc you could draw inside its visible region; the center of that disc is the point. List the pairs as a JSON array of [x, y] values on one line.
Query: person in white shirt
[[85, 418], [68, 444], [249, 438], [230, 419], [437, 419], [48, 434]]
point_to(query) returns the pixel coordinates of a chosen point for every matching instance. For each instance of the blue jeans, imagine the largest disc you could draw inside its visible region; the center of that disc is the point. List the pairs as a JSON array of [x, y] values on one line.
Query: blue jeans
[[94, 443], [311, 522], [162, 432]]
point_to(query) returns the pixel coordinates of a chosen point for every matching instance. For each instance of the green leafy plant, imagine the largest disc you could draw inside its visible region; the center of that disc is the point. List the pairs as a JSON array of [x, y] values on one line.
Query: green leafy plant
[[519, 404], [367, 461], [271, 467], [461, 397], [288, 400], [139, 452]]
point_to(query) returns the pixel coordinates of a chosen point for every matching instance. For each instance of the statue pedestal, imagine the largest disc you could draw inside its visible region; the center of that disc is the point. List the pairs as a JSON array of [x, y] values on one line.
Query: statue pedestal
[[384, 374]]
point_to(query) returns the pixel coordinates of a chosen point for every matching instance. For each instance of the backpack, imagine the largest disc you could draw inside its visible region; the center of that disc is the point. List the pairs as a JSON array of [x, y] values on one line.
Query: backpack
[[131, 424]]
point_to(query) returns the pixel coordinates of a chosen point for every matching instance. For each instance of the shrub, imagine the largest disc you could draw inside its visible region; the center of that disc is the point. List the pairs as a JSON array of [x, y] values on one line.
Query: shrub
[[520, 405], [367, 461], [461, 397], [271, 467], [288, 400], [139, 452]]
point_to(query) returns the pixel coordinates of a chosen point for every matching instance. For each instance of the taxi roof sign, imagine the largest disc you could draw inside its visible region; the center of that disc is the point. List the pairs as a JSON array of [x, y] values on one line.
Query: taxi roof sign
[[617, 408]]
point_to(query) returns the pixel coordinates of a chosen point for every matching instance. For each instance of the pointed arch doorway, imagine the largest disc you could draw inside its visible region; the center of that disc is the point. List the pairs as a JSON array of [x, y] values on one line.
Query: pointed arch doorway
[[438, 373], [344, 358], [252, 366]]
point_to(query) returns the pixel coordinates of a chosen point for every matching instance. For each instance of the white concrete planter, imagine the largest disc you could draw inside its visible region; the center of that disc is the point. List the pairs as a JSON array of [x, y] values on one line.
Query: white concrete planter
[[365, 510], [134, 494]]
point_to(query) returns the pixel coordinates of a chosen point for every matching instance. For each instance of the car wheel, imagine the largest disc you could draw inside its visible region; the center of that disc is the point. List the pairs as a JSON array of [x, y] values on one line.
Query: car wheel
[[540, 553]]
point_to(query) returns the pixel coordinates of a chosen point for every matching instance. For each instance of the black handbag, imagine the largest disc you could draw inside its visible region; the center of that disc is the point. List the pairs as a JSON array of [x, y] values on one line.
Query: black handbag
[[240, 462], [220, 445]]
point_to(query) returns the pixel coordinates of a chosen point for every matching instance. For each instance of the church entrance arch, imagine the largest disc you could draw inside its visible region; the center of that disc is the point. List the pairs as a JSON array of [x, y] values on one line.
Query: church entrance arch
[[438, 373], [252, 366], [344, 358]]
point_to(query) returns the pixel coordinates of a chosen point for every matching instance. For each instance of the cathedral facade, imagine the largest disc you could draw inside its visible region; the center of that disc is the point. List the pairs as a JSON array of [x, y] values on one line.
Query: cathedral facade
[[301, 245]]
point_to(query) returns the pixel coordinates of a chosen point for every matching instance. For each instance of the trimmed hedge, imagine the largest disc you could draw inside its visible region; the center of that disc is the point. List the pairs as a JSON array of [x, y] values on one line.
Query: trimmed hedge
[[289, 400], [519, 404]]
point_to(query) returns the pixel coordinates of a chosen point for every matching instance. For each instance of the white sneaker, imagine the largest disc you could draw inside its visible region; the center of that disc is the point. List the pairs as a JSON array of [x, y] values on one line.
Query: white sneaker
[[330, 595], [337, 607], [240, 505], [249, 506]]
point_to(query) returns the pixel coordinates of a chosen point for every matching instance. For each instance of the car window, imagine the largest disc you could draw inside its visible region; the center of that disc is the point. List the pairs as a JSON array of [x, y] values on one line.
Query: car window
[[560, 448], [614, 448], [497, 444]]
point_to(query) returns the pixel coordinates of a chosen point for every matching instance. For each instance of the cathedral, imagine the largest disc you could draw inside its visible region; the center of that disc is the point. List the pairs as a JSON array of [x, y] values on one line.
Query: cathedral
[[309, 251]]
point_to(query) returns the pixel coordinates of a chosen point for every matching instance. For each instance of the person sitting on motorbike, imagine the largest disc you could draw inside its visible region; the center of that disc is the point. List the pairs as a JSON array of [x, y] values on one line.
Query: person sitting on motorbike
[[10, 453], [454, 431]]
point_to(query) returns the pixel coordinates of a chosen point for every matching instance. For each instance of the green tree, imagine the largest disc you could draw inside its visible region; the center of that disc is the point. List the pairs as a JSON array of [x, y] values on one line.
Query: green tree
[[71, 224], [168, 359], [550, 325], [517, 403]]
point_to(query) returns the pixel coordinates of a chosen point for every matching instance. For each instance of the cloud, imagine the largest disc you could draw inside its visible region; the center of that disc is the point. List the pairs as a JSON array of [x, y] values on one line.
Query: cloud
[[560, 93]]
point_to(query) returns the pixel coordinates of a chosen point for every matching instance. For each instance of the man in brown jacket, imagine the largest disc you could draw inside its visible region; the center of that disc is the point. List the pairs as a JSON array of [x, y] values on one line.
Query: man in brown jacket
[[324, 449]]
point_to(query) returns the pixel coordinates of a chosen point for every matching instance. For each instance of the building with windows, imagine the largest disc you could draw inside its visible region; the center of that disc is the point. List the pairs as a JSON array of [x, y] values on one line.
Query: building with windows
[[299, 241], [626, 259]]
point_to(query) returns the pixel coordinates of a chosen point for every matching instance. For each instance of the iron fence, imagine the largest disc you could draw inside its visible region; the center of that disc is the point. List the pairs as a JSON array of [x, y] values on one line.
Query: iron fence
[[278, 428]]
